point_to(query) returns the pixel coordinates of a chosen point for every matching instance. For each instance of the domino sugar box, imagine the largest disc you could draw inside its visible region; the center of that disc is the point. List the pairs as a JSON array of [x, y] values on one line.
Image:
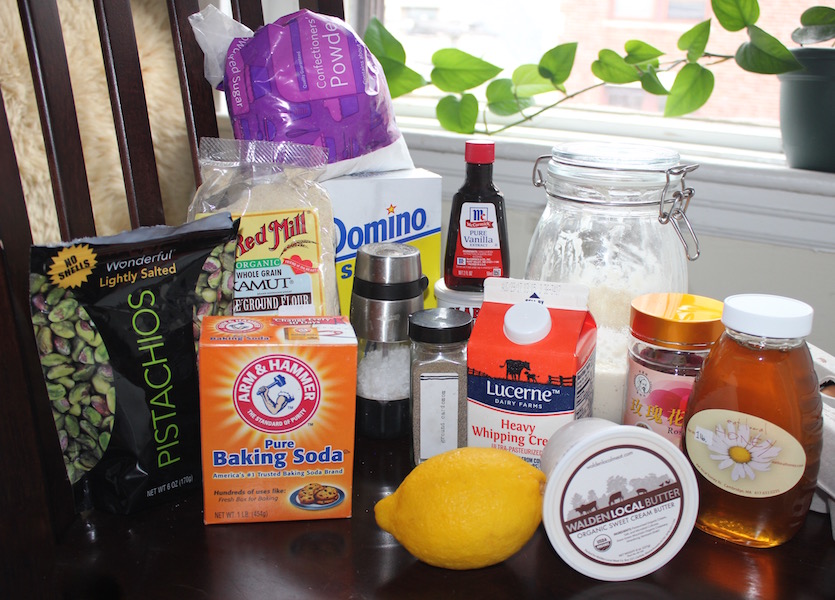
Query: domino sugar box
[[392, 206]]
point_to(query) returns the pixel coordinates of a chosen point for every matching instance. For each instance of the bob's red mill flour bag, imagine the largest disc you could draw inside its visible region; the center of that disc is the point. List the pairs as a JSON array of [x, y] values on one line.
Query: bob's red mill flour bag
[[117, 321]]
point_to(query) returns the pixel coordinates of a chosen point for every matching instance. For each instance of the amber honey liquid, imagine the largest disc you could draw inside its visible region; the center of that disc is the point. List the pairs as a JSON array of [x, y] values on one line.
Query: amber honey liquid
[[778, 386]]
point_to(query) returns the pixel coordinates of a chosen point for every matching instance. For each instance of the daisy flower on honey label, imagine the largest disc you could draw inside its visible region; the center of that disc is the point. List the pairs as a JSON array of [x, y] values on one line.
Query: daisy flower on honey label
[[737, 448]]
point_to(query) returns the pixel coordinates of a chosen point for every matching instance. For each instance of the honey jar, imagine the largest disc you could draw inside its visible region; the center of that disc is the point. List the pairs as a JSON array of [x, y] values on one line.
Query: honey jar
[[753, 426]]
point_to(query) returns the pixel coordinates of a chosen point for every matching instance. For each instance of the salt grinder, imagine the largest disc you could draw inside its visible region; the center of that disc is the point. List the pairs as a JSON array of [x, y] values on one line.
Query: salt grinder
[[388, 287]]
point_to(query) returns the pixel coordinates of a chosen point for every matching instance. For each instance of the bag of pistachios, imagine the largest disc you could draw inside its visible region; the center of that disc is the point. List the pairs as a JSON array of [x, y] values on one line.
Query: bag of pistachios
[[117, 321]]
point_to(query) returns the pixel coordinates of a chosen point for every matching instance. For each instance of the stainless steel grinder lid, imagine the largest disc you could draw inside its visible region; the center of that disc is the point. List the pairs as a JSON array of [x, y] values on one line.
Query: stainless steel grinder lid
[[388, 287]]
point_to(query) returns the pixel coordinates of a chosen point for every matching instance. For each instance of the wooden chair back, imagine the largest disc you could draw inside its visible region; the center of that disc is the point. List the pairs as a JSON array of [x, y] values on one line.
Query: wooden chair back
[[35, 500]]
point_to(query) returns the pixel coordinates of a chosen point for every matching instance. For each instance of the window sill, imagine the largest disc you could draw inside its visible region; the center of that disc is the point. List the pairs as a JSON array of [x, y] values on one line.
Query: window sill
[[745, 193]]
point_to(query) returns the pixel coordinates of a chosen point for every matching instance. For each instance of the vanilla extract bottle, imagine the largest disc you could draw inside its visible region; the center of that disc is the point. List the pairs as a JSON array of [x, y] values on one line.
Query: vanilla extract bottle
[[477, 242]]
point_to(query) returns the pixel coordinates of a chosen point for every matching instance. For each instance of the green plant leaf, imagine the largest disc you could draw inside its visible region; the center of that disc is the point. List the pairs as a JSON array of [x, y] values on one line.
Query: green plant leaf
[[502, 101], [650, 83], [392, 57], [694, 41], [641, 53], [457, 71], [527, 82], [765, 54], [612, 68], [813, 34], [400, 78], [691, 89], [735, 15], [556, 64], [382, 43], [818, 26], [457, 115], [818, 15]]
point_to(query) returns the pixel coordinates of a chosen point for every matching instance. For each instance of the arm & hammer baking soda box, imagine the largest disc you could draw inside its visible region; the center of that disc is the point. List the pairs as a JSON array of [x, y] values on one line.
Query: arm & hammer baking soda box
[[530, 364], [392, 206], [277, 410]]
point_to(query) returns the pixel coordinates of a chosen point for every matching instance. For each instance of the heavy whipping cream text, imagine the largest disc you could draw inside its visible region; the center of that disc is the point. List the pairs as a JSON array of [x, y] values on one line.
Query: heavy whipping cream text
[[511, 433]]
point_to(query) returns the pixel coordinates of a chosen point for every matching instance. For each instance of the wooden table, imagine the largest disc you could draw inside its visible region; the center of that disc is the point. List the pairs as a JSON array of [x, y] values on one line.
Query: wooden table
[[167, 552]]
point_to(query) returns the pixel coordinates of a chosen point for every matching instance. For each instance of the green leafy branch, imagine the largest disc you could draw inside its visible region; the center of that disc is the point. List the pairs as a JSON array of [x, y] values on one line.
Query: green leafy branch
[[459, 73]]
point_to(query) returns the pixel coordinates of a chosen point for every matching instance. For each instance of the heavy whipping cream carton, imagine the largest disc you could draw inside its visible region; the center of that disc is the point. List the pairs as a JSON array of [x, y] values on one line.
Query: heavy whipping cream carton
[[530, 364], [393, 206], [277, 409]]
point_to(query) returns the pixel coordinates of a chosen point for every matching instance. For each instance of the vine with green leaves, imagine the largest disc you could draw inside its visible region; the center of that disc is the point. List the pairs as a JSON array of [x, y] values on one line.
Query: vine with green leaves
[[458, 73]]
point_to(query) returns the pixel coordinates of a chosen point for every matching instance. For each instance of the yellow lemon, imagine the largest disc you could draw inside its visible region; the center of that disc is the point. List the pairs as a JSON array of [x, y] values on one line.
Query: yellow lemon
[[466, 508]]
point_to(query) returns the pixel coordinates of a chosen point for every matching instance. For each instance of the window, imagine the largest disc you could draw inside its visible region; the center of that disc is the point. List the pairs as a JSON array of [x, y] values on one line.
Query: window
[[750, 212], [633, 9], [631, 98], [687, 9], [509, 35]]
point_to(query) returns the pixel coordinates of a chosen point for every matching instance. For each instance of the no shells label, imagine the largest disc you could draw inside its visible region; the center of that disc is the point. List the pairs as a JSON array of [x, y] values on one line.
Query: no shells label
[[72, 266]]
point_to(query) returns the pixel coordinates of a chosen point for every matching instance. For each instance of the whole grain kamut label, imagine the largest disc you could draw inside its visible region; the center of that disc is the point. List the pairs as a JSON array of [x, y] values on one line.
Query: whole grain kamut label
[[279, 268]]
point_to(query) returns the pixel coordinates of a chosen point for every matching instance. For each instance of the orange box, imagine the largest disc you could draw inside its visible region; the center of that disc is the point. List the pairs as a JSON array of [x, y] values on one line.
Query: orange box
[[277, 410]]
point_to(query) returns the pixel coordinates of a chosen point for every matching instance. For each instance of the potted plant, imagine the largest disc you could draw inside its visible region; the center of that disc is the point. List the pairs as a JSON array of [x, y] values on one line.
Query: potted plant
[[807, 95], [458, 74]]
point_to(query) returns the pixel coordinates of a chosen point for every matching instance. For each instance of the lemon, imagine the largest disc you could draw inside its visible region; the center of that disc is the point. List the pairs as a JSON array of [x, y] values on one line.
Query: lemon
[[466, 508]]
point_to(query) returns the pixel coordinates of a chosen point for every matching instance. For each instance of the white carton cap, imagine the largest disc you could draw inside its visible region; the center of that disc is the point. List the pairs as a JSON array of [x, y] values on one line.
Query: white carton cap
[[527, 322], [768, 316]]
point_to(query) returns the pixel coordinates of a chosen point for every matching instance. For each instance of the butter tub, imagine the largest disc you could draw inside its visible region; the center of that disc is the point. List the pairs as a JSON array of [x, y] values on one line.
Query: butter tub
[[620, 501]]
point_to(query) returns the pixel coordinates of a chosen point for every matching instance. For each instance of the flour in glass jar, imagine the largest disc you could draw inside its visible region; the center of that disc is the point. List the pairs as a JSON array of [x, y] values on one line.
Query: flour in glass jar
[[610, 309]]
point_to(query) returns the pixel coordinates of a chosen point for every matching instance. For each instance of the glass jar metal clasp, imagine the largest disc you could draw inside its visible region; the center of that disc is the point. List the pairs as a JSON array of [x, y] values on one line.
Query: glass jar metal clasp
[[674, 209], [536, 176], [671, 210]]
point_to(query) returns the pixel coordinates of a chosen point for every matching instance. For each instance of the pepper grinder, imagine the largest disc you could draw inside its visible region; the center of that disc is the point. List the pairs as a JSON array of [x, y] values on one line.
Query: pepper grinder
[[388, 287]]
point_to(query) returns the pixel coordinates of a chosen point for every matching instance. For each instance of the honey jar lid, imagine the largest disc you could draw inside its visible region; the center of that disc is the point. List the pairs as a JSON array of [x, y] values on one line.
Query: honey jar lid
[[681, 321], [767, 315]]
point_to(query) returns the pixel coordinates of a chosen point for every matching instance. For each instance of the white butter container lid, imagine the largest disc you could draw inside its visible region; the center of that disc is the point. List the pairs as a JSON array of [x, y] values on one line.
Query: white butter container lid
[[448, 298], [620, 501]]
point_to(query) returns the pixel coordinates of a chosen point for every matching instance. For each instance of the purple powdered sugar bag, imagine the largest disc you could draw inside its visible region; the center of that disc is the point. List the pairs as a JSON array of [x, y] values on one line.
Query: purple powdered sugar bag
[[308, 78]]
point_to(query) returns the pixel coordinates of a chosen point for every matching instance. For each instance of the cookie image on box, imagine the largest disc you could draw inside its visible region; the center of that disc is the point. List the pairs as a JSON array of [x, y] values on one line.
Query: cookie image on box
[[326, 495], [315, 496]]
